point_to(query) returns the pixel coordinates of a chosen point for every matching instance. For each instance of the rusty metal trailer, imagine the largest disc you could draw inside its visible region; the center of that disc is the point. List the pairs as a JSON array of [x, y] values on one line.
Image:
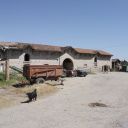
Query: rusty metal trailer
[[40, 73]]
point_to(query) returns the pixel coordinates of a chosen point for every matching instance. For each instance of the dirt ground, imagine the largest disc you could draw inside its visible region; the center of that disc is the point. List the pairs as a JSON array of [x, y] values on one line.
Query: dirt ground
[[11, 96], [95, 101]]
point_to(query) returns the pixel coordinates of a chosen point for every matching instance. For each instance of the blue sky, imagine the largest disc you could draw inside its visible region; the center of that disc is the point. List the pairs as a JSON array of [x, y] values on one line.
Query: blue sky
[[92, 24]]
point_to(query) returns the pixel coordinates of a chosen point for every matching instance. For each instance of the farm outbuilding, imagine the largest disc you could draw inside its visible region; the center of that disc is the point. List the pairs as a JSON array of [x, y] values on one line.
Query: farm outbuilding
[[70, 58], [116, 65], [124, 66]]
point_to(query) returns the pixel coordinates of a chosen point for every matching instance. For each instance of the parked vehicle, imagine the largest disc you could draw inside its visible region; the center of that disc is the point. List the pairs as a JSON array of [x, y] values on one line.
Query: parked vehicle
[[75, 73], [40, 73], [71, 73], [81, 73]]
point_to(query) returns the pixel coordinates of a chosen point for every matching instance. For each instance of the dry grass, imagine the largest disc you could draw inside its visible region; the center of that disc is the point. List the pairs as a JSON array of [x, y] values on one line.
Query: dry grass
[[5, 102], [41, 89], [10, 96]]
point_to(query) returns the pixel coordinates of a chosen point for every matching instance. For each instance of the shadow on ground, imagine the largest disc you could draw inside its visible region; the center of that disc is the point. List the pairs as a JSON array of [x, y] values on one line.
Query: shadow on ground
[[21, 85]]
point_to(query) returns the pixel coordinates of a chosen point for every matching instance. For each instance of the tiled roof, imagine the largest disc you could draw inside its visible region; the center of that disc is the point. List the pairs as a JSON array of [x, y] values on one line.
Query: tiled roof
[[90, 51], [104, 53], [38, 47], [45, 47], [85, 51], [41, 47], [8, 44]]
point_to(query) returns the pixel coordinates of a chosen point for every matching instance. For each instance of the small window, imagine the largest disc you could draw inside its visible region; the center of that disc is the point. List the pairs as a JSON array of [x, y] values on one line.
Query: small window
[[26, 57], [95, 61]]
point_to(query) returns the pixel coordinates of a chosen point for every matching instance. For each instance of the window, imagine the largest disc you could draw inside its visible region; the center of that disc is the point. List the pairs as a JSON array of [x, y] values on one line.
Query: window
[[26, 57]]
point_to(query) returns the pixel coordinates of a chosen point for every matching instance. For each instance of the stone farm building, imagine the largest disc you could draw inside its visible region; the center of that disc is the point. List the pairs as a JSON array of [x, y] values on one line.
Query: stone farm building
[[69, 57]]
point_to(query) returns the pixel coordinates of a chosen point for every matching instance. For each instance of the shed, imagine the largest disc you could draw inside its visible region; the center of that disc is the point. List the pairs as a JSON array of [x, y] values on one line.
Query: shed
[[124, 66]]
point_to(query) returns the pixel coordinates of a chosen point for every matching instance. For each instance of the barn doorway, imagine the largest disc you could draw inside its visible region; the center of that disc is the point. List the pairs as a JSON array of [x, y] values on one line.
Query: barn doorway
[[26, 57], [95, 61], [68, 64]]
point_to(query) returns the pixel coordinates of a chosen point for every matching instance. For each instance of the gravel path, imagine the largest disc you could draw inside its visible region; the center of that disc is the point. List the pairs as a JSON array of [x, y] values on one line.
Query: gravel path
[[69, 108]]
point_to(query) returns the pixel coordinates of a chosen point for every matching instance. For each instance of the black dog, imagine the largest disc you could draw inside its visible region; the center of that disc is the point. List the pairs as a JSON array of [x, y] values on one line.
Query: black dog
[[32, 95]]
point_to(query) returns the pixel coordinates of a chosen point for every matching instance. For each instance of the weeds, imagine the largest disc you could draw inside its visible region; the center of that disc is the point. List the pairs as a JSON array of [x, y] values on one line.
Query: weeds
[[14, 78]]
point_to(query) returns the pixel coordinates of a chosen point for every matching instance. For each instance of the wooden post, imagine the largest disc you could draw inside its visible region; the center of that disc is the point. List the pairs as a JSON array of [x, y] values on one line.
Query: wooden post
[[7, 69]]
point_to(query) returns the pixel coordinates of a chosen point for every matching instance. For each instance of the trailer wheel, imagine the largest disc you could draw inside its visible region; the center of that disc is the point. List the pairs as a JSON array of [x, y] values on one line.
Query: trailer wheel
[[40, 80]]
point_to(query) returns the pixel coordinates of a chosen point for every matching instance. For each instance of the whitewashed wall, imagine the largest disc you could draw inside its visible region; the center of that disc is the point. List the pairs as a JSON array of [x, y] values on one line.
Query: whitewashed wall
[[16, 58]]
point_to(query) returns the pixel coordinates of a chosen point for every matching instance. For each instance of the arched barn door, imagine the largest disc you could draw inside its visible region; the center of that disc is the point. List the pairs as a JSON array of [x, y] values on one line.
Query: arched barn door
[[68, 64], [26, 57]]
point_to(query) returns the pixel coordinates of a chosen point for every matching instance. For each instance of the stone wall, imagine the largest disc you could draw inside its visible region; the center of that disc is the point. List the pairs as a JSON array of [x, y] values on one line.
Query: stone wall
[[16, 58]]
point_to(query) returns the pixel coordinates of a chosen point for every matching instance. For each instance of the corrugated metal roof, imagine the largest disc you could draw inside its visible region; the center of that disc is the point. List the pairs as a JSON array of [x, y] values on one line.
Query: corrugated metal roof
[[115, 60]]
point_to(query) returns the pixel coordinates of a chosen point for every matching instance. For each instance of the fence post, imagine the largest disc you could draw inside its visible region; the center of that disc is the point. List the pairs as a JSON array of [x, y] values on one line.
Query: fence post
[[7, 69]]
